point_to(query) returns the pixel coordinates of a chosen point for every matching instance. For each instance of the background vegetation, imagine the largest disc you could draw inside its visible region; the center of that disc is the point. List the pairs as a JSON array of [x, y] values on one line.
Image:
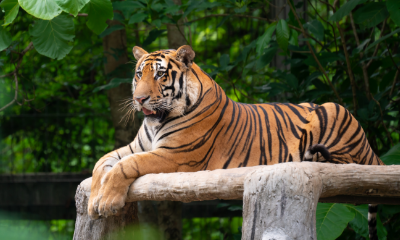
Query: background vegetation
[[55, 111]]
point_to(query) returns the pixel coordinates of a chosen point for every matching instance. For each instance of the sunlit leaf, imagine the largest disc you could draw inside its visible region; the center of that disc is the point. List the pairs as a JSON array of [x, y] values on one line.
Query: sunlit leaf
[[11, 8], [99, 12], [50, 37], [44, 9], [392, 156], [345, 10], [393, 7], [371, 14], [331, 219], [71, 6], [5, 39], [282, 34], [113, 84], [264, 40]]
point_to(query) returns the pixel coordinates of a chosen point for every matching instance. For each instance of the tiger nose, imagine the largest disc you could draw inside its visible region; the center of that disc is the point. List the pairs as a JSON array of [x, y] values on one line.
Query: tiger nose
[[140, 100]]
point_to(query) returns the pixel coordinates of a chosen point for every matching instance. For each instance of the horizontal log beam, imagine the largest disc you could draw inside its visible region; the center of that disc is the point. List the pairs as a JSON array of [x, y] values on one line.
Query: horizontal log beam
[[348, 183]]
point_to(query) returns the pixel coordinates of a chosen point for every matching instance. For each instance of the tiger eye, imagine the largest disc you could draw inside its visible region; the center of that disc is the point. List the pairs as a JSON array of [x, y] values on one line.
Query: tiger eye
[[159, 73]]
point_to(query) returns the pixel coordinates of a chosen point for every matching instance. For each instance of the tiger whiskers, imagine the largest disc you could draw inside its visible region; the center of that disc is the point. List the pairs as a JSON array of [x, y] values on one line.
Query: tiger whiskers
[[128, 106]]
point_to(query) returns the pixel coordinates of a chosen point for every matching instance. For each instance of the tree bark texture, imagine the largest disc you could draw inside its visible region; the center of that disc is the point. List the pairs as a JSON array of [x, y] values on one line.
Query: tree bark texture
[[116, 65], [279, 200]]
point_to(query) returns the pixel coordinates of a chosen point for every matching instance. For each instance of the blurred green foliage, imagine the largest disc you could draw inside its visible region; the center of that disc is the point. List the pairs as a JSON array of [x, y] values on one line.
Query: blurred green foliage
[[62, 120]]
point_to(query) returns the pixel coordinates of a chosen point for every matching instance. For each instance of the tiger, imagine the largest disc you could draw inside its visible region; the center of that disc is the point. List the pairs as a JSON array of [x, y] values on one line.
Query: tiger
[[190, 125]]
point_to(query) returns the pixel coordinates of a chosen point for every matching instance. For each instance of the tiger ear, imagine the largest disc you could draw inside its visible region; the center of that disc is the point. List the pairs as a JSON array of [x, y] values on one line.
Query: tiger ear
[[185, 54], [138, 52]]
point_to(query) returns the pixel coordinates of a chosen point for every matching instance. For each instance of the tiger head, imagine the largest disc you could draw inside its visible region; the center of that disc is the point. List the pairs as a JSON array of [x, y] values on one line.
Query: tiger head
[[162, 86]]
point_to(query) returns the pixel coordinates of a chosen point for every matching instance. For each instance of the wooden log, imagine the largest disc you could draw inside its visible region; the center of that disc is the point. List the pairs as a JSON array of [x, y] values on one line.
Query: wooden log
[[308, 181]]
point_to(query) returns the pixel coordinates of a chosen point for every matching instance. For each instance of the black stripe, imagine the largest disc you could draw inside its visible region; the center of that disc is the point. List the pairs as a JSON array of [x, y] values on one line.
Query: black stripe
[[130, 148]]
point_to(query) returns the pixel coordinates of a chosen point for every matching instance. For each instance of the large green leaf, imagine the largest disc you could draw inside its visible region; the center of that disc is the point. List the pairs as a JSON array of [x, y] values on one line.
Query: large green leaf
[[392, 156], [99, 12], [332, 219], [371, 14], [5, 39], [360, 221], [11, 8], [393, 7], [345, 10], [113, 84], [44, 9], [264, 40], [316, 28], [71, 6], [282, 34], [50, 37]]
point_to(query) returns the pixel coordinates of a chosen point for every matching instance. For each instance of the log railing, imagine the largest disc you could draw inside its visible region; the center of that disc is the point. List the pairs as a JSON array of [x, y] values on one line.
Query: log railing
[[279, 201]]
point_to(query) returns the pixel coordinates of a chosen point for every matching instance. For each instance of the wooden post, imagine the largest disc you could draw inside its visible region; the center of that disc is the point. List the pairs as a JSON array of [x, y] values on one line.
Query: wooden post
[[279, 200], [280, 204]]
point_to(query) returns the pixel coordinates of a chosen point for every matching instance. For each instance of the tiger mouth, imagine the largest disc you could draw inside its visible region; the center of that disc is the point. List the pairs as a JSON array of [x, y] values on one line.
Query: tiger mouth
[[148, 112], [160, 115]]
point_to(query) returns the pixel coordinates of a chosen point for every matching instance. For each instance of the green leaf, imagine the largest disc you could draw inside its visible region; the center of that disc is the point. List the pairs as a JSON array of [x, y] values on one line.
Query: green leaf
[[127, 7], [5, 39], [113, 84], [223, 61], [99, 12], [383, 39], [392, 156], [138, 17], [153, 35], [111, 29], [382, 232], [241, 10], [316, 28], [193, 5], [46, 9], [71, 6], [294, 38], [393, 7], [345, 10], [265, 59], [331, 219], [361, 46], [292, 81], [282, 34], [360, 221], [371, 14], [50, 37], [264, 40], [245, 52], [11, 8]]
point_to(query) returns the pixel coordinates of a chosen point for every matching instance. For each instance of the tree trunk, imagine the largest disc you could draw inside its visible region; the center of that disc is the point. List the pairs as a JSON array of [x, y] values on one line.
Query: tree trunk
[[114, 46]]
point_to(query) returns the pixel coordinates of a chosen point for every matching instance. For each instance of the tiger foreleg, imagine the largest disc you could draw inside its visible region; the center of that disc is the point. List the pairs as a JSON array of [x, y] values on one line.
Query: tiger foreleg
[[111, 196]]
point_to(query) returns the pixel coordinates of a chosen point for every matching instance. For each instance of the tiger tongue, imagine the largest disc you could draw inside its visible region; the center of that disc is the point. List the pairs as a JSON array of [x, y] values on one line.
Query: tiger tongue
[[147, 111]]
